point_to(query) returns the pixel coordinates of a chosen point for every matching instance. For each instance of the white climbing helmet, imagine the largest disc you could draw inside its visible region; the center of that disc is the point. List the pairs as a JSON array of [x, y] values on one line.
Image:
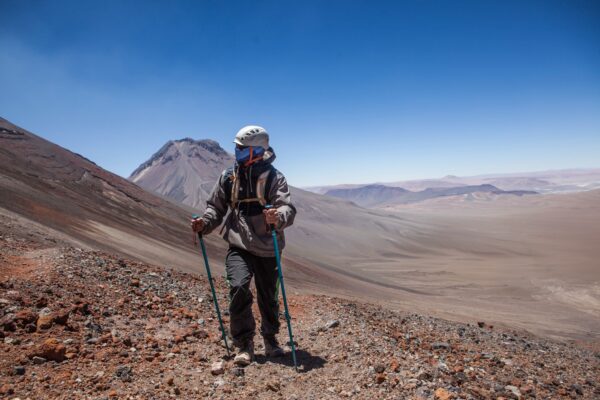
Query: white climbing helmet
[[252, 135]]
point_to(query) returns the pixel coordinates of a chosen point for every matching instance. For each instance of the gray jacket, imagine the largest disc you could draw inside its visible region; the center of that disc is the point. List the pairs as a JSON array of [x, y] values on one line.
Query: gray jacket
[[245, 225]]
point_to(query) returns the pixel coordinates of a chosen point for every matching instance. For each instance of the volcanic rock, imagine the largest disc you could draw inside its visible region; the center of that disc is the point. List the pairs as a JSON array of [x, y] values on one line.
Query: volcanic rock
[[51, 349]]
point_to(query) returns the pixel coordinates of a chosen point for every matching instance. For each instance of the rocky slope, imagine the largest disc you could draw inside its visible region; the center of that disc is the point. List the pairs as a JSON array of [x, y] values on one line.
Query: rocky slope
[[88, 324]]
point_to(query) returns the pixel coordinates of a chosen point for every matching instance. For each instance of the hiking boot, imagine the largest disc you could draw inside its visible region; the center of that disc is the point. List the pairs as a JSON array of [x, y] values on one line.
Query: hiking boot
[[245, 354], [272, 348]]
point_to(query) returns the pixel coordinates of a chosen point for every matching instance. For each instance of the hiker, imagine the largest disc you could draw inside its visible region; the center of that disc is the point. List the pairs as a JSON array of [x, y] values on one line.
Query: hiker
[[245, 189]]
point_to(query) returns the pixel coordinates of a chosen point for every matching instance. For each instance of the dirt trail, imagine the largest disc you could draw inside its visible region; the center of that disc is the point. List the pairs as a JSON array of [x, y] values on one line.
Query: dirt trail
[[32, 262]]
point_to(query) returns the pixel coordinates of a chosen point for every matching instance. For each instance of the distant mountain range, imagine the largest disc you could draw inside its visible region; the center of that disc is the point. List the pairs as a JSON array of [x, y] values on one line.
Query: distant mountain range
[[482, 188], [186, 170], [382, 196]]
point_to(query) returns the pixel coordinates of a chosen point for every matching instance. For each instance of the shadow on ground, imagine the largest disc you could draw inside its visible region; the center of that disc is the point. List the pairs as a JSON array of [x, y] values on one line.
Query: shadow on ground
[[306, 361]]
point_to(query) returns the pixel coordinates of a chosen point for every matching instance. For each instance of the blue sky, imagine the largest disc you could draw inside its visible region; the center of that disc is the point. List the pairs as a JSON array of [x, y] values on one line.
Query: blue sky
[[351, 91]]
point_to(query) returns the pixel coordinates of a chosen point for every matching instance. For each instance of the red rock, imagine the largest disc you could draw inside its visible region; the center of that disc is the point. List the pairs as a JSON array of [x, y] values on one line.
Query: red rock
[[107, 337], [63, 376], [51, 349], [442, 394], [178, 339], [45, 322], [380, 378], [186, 313], [25, 317], [61, 317], [394, 365], [8, 323], [6, 389], [527, 389], [41, 302], [475, 391], [72, 327]]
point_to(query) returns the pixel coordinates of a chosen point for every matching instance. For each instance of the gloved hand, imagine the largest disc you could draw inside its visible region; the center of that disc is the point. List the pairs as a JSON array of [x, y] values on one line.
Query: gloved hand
[[271, 216], [197, 224]]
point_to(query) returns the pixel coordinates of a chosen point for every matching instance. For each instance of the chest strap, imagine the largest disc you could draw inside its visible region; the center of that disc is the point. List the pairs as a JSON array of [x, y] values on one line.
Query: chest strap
[[261, 184]]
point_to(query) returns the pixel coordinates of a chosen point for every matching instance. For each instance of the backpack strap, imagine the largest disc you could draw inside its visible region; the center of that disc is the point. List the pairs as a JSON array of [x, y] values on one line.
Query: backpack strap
[[261, 185], [235, 188], [264, 183]]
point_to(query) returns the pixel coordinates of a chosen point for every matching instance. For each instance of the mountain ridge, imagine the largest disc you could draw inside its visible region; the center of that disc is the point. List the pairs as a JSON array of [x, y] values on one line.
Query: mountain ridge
[[208, 144], [549, 181], [199, 163], [378, 195]]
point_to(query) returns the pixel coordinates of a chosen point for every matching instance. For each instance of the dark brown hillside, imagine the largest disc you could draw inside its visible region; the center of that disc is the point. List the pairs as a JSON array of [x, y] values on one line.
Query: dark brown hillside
[[65, 192]]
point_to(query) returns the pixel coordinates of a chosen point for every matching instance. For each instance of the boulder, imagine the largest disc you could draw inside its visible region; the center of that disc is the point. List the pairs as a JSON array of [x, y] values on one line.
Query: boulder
[[51, 349]]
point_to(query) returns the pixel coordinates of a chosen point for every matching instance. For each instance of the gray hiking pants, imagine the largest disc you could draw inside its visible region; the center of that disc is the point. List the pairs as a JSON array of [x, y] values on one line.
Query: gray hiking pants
[[241, 266]]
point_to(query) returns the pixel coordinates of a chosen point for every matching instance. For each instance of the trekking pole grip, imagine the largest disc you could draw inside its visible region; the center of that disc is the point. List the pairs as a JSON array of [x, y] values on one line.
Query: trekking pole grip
[[199, 233], [270, 207]]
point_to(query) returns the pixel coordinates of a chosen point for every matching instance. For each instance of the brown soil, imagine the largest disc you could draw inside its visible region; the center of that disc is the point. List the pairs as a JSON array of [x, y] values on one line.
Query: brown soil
[[11, 266]]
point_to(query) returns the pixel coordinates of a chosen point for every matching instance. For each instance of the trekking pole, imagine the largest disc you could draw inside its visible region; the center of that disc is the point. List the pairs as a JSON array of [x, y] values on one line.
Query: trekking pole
[[285, 305], [212, 288]]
